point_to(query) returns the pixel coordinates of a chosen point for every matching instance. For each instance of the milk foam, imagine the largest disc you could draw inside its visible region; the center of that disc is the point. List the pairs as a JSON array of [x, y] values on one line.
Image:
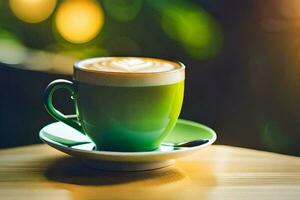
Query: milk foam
[[128, 71], [130, 65]]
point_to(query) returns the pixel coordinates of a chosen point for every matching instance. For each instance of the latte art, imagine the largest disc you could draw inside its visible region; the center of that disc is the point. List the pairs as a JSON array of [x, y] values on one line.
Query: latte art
[[128, 71], [131, 65]]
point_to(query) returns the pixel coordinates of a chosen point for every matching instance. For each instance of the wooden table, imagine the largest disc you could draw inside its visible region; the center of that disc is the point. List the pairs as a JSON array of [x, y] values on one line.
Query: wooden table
[[217, 172]]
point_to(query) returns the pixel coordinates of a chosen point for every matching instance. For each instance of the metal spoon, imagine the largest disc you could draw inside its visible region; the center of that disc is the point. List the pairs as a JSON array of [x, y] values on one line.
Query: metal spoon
[[192, 143]]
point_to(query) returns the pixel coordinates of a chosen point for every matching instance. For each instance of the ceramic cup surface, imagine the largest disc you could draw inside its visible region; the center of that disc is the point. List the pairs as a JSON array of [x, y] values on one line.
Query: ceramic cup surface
[[123, 103]]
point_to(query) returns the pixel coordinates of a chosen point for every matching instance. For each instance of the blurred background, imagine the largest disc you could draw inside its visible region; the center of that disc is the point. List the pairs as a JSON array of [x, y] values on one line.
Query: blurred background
[[242, 58]]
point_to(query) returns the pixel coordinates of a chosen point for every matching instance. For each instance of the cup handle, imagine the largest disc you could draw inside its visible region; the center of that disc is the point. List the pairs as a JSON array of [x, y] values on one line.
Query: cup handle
[[71, 120]]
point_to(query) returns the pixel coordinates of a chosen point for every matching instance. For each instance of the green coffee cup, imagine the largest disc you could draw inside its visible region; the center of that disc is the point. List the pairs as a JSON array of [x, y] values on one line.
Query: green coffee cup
[[123, 103]]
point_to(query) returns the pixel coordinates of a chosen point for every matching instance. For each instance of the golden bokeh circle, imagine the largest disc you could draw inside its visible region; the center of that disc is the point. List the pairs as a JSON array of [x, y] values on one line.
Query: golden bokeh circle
[[79, 21], [32, 11]]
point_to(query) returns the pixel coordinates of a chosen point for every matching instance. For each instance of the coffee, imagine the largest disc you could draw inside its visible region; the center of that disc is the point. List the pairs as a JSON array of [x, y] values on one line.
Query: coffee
[[128, 71], [126, 103], [129, 65]]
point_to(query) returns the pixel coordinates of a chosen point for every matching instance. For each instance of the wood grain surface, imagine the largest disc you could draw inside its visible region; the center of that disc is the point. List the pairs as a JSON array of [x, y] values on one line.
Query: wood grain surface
[[217, 172]]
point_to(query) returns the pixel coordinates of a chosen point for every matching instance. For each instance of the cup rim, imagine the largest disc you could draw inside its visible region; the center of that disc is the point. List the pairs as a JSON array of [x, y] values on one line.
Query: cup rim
[[77, 67]]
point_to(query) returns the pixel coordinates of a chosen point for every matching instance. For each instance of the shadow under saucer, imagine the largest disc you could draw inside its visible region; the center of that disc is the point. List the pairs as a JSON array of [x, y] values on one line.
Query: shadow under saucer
[[74, 171]]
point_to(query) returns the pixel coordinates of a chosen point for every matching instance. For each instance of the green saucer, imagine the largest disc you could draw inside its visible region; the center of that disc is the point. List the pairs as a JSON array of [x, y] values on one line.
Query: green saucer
[[68, 140]]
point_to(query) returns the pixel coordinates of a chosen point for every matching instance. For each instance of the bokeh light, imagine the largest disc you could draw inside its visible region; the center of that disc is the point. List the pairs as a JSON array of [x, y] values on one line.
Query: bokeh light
[[82, 53], [32, 11], [289, 9], [274, 138], [11, 49], [79, 21], [122, 10], [121, 44], [197, 31], [56, 62]]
